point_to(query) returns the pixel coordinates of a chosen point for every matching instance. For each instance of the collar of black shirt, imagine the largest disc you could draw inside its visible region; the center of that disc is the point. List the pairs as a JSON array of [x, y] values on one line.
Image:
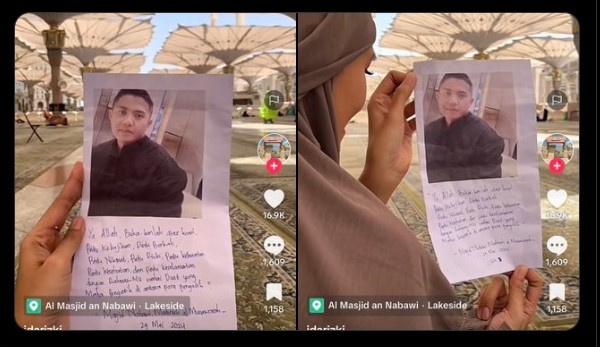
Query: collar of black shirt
[[461, 122], [130, 148]]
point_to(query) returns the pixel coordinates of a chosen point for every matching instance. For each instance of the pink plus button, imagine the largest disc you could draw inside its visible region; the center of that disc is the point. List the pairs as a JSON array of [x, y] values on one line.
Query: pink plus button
[[556, 165], [273, 166]]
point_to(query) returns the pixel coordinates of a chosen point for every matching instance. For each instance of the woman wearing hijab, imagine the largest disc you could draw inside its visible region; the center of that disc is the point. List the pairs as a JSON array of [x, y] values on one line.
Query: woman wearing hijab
[[350, 244]]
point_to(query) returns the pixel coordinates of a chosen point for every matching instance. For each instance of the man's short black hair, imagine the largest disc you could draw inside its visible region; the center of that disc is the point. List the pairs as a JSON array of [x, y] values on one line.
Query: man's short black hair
[[458, 76], [140, 93]]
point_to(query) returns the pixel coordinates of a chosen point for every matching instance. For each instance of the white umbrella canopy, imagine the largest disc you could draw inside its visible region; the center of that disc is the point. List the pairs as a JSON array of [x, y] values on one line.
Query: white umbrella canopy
[[39, 62], [108, 34], [72, 85], [32, 59], [85, 55], [74, 89], [432, 46], [251, 74], [553, 51], [385, 63], [71, 65], [21, 45], [25, 56], [123, 62], [55, 19], [565, 28], [87, 39], [70, 79], [84, 38], [230, 43], [172, 71], [279, 61], [197, 62], [240, 85], [29, 28], [119, 63], [81, 28], [480, 30], [34, 73]]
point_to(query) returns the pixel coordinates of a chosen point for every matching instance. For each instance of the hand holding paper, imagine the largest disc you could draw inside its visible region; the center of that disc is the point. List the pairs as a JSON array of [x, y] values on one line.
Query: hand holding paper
[[482, 202], [516, 309], [45, 262], [389, 151], [152, 242]]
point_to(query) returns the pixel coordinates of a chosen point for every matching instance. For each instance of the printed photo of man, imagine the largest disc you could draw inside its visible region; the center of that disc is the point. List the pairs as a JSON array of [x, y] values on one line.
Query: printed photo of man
[[131, 174], [459, 145]]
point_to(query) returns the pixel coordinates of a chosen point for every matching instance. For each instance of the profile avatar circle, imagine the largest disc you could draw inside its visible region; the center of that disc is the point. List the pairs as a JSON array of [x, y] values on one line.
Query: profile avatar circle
[[557, 146], [274, 145]]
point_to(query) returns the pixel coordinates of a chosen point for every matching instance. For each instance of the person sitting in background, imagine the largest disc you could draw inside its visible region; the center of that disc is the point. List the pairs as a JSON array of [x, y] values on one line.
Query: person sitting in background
[[54, 120], [267, 114]]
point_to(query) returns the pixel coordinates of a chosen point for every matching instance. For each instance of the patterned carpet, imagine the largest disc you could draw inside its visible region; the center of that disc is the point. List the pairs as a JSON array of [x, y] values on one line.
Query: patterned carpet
[[249, 230]]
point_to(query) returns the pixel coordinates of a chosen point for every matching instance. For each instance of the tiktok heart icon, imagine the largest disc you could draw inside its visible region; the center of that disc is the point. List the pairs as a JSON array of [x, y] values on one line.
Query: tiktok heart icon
[[274, 197], [557, 197]]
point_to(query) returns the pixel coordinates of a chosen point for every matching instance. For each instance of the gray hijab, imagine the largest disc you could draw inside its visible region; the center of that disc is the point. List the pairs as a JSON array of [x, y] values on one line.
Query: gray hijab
[[349, 243], [322, 54]]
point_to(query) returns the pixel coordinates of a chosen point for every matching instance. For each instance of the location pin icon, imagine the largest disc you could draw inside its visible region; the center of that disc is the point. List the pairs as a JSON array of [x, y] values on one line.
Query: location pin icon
[[33, 305], [316, 305]]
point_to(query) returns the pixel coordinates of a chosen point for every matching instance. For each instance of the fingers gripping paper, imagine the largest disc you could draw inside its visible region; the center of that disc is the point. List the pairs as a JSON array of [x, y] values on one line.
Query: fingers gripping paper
[[157, 250], [478, 153]]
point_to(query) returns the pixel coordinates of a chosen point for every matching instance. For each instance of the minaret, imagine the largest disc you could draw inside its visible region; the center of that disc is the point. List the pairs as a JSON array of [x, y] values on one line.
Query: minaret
[[240, 19]]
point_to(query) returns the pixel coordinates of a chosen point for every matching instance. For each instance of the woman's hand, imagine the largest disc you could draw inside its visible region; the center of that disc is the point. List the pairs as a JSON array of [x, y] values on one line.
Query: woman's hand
[[389, 151], [46, 260], [518, 309]]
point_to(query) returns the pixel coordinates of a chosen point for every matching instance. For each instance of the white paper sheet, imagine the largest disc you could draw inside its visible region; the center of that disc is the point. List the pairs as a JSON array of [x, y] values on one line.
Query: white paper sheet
[[481, 227], [151, 257]]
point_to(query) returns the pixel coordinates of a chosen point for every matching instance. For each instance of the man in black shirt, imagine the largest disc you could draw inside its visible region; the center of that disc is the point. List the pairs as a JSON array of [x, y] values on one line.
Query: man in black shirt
[[131, 174], [459, 145]]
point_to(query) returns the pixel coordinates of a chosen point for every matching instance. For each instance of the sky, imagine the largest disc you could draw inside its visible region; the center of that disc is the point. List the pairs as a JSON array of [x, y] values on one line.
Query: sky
[[164, 23]]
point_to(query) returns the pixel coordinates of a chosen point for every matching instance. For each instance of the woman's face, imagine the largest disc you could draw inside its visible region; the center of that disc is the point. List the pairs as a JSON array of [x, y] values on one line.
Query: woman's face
[[350, 90]]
